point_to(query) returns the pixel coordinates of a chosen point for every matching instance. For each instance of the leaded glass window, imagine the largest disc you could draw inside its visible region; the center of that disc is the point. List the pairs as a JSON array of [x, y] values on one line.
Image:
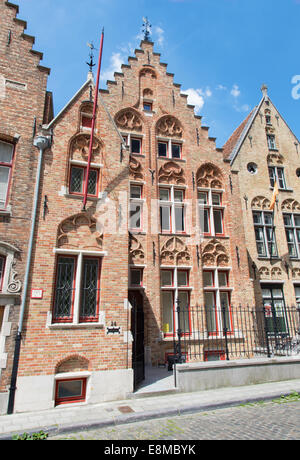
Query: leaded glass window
[[64, 290]]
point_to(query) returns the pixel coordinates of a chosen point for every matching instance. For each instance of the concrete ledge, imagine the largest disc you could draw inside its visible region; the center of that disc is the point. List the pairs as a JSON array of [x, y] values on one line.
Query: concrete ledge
[[222, 374]]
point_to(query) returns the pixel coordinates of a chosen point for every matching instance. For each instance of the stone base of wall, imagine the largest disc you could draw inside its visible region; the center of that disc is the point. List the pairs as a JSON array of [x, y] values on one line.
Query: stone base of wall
[[3, 403], [37, 393], [207, 376]]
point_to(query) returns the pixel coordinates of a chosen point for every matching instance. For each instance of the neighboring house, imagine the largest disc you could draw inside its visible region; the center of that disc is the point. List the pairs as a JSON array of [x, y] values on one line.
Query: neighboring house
[[263, 152], [24, 105]]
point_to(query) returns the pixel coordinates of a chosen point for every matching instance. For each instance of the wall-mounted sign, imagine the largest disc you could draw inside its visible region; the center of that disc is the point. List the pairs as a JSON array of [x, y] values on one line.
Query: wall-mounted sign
[[113, 330], [37, 293]]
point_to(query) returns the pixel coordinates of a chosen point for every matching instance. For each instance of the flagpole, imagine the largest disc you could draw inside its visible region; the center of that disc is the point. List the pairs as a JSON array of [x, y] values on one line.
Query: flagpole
[[93, 124]]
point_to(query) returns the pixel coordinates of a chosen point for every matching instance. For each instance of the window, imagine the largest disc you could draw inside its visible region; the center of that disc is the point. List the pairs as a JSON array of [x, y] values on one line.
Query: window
[[2, 268], [271, 142], [86, 121], [1, 317], [70, 391], [136, 277], [217, 301], [77, 289], [77, 181], [277, 175], [211, 212], [268, 120], [135, 144], [275, 314], [169, 149], [265, 234], [175, 292], [6, 161], [136, 207], [292, 230], [172, 210], [147, 106]]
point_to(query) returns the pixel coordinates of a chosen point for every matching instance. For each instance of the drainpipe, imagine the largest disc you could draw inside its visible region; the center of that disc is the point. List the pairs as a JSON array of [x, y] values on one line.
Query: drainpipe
[[42, 143]]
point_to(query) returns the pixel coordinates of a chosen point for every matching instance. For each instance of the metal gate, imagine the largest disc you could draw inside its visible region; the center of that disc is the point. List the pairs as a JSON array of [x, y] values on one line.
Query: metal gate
[[137, 330]]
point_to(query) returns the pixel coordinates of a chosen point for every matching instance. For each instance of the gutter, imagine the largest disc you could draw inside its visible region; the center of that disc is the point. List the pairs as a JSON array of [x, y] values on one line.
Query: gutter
[[42, 143]]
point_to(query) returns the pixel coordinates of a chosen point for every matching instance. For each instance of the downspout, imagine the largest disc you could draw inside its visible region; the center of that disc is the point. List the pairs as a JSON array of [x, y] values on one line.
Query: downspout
[[42, 143]]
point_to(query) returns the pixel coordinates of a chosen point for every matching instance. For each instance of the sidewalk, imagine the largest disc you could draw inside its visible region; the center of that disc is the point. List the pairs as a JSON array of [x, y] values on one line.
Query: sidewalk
[[79, 417]]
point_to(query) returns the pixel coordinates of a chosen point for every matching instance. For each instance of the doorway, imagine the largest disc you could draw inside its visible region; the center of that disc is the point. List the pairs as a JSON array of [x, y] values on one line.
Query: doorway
[[137, 329]]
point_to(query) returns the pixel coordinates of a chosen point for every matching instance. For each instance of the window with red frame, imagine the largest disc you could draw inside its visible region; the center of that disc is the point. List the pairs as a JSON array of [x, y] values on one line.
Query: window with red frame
[[211, 213], [86, 121], [2, 268], [70, 391], [77, 181], [89, 295], [6, 163], [169, 149], [172, 210], [174, 293], [136, 207], [217, 301]]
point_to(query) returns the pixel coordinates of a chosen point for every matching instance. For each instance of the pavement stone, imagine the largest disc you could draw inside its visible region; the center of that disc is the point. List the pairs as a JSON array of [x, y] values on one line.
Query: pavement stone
[[82, 416]]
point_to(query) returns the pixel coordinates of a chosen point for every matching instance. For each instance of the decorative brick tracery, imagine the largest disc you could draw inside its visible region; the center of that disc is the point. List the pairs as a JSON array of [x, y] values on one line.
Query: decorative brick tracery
[[79, 232]]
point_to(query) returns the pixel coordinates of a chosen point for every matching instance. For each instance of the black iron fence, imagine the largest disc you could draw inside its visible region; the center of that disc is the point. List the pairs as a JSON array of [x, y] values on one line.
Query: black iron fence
[[226, 333]]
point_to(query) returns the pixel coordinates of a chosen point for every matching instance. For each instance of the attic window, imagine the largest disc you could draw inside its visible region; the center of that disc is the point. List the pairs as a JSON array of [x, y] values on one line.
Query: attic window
[[86, 121]]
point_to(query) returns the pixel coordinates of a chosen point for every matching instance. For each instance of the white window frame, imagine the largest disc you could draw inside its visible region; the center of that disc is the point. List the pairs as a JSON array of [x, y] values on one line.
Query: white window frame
[[211, 208], [293, 227], [264, 227], [128, 137], [139, 201], [169, 142], [216, 289], [172, 205], [271, 141], [275, 177], [78, 276], [176, 289]]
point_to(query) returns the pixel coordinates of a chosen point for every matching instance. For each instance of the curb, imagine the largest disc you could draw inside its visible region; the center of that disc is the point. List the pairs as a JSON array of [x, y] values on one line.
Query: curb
[[55, 430]]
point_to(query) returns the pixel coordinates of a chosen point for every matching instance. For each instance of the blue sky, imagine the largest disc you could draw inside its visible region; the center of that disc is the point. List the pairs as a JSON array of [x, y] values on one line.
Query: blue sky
[[221, 51]]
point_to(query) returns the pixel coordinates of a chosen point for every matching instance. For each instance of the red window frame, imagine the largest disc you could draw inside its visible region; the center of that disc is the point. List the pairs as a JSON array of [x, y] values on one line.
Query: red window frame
[[66, 319], [71, 399], [172, 272], [187, 278], [227, 278], [212, 272], [10, 167], [171, 334], [216, 332], [84, 168], [222, 220], [133, 138], [136, 200], [91, 319], [185, 334], [229, 310], [3, 259]]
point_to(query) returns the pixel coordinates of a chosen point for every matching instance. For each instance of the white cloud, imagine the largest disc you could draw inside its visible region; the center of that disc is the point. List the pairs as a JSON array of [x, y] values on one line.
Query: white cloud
[[235, 92], [197, 97], [116, 60], [160, 34]]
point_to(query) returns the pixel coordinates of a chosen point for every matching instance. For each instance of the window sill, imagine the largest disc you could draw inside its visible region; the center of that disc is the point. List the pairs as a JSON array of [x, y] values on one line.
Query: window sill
[[5, 212], [75, 326], [283, 189], [269, 258], [224, 237], [80, 197], [174, 234], [181, 160]]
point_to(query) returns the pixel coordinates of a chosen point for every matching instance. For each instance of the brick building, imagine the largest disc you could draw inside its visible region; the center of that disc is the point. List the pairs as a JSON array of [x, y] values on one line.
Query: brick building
[[162, 224], [162, 227], [24, 105], [263, 151]]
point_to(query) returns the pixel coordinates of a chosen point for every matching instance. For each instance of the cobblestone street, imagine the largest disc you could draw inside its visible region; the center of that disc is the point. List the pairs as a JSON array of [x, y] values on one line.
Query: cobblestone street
[[277, 420]]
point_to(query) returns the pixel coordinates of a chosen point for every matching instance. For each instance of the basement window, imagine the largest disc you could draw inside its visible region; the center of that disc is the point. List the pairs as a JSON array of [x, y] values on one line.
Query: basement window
[[70, 391]]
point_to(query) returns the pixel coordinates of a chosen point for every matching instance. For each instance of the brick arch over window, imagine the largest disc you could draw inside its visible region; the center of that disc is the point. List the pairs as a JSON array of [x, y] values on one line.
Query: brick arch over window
[[79, 232], [129, 119], [290, 205], [79, 148], [74, 363], [209, 176], [260, 202], [169, 126]]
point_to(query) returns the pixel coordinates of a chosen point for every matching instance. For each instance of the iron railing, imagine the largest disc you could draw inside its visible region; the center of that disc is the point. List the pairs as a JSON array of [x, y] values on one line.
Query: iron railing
[[227, 333]]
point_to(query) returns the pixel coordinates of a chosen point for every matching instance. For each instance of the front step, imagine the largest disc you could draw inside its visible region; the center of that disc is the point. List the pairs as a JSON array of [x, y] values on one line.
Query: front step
[[150, 394]]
